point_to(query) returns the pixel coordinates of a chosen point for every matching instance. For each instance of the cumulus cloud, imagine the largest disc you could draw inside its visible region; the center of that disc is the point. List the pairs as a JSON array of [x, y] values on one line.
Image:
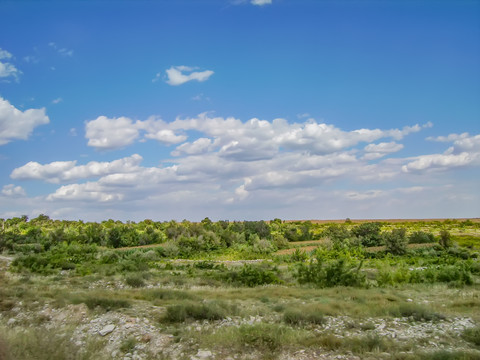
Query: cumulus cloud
[[376, 151], [112, 133], [17, 124], [13, 191], [252, 140], [222, 164], [465, 151], [199, 146], [105, 133], [178, 75], [84, 192], [7, 69], [63, 171]]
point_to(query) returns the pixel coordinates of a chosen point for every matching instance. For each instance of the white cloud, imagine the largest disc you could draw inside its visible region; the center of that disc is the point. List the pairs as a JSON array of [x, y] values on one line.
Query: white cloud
[[104, 133], [449, 138], [63, 171], [439, 161], [57, 100], [178, 75], [199, 146], [166, 136], [260, 2], [13, 191], [17, 124], [464, 152], [8, 70], [228, 168], [376, 151], [84, 192]]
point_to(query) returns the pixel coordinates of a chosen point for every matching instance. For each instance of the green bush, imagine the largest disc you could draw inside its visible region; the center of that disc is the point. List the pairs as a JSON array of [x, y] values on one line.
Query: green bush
[[396, 242], [135, 280], [330, 273], [445, 239], [212, 310], [421, 237], [253, 276], [368, 233]]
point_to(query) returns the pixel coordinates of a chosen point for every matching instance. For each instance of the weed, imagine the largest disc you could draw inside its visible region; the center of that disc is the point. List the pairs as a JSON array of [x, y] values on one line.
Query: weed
[[303, 316], [104, 303], [128, 345], [212, 310], [472, 335], [416, 311], [135, 280]]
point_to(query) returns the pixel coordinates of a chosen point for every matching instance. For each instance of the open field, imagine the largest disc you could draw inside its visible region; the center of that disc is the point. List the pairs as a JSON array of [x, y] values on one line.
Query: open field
[[250, 290]]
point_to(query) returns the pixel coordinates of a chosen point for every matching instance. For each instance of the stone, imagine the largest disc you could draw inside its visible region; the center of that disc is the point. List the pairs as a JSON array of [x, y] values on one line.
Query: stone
[[107, 330], [203, 354]]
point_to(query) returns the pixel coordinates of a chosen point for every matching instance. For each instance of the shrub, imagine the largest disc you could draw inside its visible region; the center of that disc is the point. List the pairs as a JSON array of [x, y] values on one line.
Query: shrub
[[369, 233], [253, 276], [396, 242], [445, 239], [420, 237], [135, 280], [330, 273]]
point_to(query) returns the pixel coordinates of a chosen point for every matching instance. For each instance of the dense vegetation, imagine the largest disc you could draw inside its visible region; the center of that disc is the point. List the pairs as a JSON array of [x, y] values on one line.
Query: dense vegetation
[[46, 246]]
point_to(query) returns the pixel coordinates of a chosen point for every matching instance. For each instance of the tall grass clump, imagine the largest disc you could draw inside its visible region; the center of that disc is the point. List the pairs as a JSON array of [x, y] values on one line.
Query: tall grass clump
[[303, 316], [472, 335], [189, 310], [416, 311]]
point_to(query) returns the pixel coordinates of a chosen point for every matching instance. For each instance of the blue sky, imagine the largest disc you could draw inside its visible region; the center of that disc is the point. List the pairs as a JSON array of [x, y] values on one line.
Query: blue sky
[[237, 110]]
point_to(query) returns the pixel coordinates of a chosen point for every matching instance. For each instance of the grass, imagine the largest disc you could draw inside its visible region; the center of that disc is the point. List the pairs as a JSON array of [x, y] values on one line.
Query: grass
[[104, 303], [303, 316], [189, 310], [472, 335], [417, 312], [44, 344]]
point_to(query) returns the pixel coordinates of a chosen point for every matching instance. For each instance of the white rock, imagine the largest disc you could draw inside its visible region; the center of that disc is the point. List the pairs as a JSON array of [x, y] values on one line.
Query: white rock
[[107, 330], [203, 354]]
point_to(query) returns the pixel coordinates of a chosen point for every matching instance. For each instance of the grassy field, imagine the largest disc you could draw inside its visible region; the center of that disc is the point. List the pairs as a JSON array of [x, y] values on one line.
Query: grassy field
[[394, 290]]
